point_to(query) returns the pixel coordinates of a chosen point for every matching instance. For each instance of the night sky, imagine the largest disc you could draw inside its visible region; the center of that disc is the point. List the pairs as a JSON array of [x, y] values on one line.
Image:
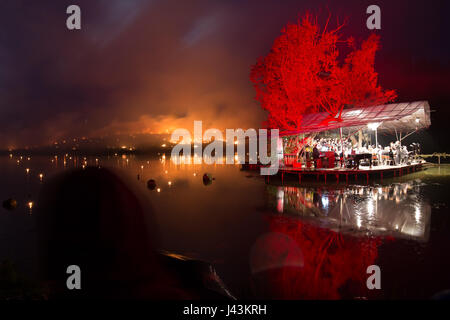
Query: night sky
[[140, 66]]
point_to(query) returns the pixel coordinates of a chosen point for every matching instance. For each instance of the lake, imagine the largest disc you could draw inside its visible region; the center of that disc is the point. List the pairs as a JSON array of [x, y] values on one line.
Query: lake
[[309, 241]]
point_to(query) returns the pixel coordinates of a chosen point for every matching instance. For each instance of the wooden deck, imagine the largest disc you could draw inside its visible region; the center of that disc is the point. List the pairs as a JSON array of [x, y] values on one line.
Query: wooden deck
[[375, 172]]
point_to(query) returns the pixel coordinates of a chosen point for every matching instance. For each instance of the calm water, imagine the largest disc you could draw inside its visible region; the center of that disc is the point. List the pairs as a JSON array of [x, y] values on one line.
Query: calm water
[[268, 240]]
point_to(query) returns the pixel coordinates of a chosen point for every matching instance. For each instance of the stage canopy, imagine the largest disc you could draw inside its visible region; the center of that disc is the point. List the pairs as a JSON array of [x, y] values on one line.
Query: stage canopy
[[403, 117]]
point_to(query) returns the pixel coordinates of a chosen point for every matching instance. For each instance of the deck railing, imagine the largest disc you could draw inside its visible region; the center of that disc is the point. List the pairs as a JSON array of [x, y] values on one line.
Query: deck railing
[[435, 154]]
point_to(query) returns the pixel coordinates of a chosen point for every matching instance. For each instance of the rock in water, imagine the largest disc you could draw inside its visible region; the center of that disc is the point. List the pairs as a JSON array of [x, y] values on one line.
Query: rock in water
[[151, 184], [10, 204], [207, 179]]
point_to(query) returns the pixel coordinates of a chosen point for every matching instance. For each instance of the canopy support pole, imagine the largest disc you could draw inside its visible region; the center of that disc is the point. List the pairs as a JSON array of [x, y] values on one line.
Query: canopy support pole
[[376, 137], [408, 135], [342, 145], [360, 138]]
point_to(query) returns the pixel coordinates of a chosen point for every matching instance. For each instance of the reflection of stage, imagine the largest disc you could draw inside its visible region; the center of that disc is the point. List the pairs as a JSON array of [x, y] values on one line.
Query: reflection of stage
[[375, 171], [385, 210]]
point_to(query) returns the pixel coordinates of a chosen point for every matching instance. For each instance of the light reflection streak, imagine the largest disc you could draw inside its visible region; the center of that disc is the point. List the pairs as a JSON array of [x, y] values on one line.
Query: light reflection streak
[[379, 210]]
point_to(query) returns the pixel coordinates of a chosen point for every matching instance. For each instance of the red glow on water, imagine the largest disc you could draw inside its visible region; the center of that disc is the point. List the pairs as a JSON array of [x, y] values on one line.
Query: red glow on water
[[333, 265]]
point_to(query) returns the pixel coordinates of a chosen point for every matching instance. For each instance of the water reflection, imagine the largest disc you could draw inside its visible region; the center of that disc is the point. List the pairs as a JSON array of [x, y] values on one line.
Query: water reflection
[[318, 243], [323, 238], [396, 209], [299, 260]]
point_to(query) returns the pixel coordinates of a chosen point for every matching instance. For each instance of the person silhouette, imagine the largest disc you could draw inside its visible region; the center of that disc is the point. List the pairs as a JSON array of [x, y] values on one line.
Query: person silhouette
[[94, 220]]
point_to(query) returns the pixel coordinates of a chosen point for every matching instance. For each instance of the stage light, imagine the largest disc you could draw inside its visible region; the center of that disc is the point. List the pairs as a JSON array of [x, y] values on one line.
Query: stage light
[[373, 125]]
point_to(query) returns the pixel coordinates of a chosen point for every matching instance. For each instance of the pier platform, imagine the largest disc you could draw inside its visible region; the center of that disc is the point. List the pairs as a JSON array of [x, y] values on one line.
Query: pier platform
[[348, 173]]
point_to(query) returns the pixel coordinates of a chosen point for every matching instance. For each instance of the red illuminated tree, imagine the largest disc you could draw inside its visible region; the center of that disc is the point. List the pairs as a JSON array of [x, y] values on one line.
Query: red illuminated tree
[[304, 73]]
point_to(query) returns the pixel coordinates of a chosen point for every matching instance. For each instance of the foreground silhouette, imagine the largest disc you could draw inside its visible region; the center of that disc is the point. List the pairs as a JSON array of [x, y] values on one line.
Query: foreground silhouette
[[93, 219]]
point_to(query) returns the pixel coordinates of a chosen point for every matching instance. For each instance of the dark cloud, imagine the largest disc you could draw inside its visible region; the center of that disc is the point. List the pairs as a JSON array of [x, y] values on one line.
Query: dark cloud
[[150, 66]]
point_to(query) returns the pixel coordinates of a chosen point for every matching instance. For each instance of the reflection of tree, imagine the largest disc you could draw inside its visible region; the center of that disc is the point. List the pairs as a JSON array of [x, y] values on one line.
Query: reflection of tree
[[334, 264]]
